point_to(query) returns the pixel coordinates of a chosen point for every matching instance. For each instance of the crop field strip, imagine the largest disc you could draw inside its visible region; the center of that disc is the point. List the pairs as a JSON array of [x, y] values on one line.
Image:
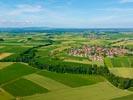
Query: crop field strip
[[130, 89], [73, 80], [92, 92], [119, 62], [11, 88], [84, 61], [13, 49], [129, 97], [14, 71], [46, 82], [5, 64], [23, 87], [122, 72], [2, 47], [5, 95], [4, 55]]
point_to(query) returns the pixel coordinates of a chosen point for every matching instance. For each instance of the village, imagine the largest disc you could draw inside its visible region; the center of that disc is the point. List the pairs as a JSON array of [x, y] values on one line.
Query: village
[[97, 53]]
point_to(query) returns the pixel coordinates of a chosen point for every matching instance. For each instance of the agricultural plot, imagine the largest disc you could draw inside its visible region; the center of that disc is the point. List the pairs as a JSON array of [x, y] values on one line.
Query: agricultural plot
[[45, 51], [5, 64], [68, 37], [120, 36], [108, 62], [122, 72], [2, 47], [129, 97], [99, 42], [24, 39], [5, 95], [23, 87], [100, 91], [73, 80], [83, 61], [46, 82], [14, 71], [13, 49], [4, 55], [60, 48], [119, 62], [124, 43], [131, 89]]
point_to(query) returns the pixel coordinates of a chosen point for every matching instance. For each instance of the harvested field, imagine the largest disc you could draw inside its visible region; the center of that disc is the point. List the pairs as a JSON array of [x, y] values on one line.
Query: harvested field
[[5, 96], [46, 82], [4, 55], [122, 72], [5, 64]]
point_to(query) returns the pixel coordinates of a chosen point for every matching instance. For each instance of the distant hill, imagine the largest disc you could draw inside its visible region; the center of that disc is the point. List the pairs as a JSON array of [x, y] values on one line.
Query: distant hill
[[51, 30]]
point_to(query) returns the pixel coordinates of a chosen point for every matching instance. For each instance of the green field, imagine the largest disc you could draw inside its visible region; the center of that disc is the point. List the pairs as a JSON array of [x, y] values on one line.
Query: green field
[[119, 62], [14, 71], [100, 91], [23, 87], [46, 82], [4, 64], [129, 97], [5, 95], [13, 49], [122, 72], [73, 80]]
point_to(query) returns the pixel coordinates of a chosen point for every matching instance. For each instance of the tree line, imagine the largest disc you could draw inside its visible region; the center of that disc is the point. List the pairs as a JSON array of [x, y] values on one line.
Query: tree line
[[26, 56], [77, 68]]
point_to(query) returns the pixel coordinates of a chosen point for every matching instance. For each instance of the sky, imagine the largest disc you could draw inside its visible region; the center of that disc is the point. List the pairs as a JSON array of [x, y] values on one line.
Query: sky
[[67, 13]]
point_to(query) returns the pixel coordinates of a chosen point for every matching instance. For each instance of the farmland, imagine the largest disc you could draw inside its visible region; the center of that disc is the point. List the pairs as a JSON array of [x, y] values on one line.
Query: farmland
[[14, 71], [5, 64], [120, 62], [124, 98], [4, 55], [36, 66], [5, 95], [26, 87], [93, 92], [73, 80], [123, 72]]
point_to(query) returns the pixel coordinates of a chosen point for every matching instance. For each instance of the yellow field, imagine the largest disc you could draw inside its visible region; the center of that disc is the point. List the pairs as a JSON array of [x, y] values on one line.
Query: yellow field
[[69, 37], [45, 82], [124, 43], [2, 47], [59, 49], [4, 55], [122, 72], [77, 61], [5, 64], [85, 61], [5, 96]]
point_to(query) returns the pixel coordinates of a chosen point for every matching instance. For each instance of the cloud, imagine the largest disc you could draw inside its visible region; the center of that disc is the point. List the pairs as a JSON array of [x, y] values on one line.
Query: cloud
[[118, 11], [20, 9], [58, 14], [4, 23], [126, 1], [25, 14]]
